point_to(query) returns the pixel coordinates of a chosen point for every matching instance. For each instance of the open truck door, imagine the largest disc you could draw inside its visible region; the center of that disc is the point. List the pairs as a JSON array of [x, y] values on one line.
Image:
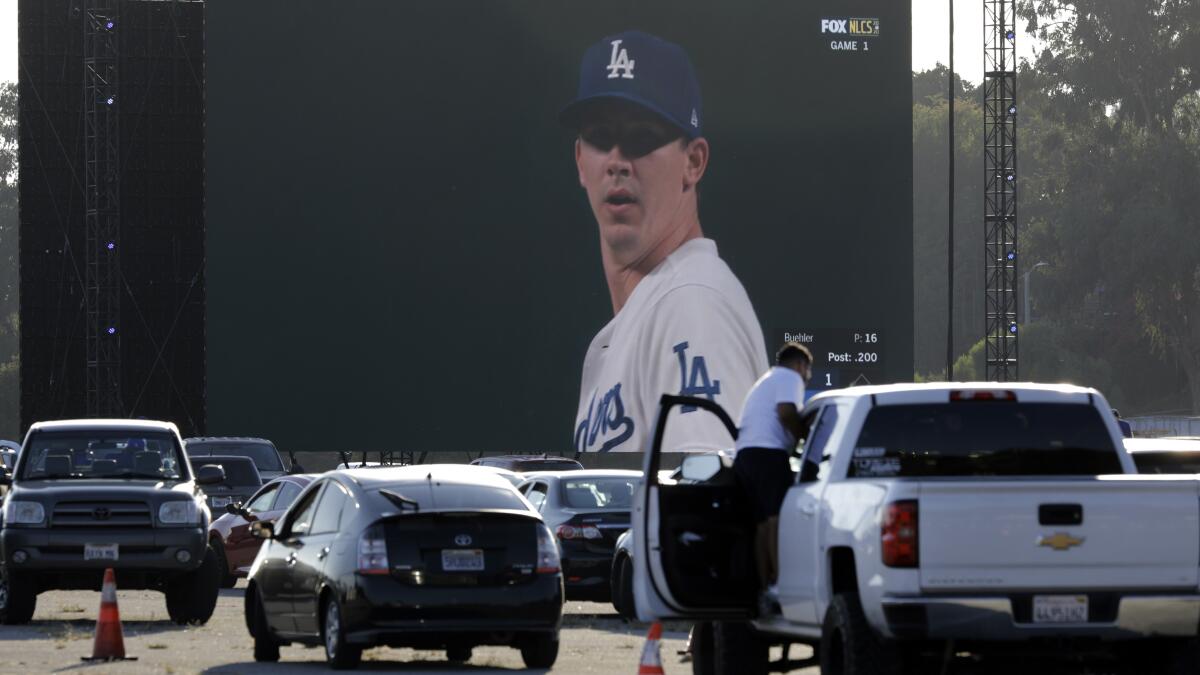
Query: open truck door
[[693, 536]]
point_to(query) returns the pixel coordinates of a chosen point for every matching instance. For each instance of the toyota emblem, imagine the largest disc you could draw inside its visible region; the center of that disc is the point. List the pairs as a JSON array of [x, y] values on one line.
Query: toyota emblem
[[462, 540], [100, 513]]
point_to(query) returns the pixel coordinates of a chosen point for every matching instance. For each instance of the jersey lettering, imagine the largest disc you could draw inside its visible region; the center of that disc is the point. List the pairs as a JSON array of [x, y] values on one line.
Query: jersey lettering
[[603, 417], [694, 381]]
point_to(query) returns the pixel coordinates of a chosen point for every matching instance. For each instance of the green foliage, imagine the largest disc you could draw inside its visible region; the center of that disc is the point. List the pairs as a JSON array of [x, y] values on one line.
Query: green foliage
[[9, 219]]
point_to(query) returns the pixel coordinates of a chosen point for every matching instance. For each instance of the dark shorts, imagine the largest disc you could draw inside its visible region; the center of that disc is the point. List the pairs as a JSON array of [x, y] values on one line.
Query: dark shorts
[[765, 474]]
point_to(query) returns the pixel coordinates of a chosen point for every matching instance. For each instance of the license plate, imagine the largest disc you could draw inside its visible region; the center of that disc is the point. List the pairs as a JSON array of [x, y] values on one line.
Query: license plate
[[101, 552], [218, 502], [462, 560], [1060, 609]]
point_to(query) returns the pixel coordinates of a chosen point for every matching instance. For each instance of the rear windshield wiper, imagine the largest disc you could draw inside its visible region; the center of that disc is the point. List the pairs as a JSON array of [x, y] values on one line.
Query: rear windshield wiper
[[400, 500]]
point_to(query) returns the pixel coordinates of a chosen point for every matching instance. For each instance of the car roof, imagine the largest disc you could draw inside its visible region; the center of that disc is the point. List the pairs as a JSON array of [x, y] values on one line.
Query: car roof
[[235, 459], [446, 474], [104, 424], [896, 393], [300, 478], [585, 473], [226, 439], [526, 458], [1136, 445]]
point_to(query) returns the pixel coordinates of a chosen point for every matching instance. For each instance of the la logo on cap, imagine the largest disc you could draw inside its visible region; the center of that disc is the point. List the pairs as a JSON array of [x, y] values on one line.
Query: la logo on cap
[[619, 61]]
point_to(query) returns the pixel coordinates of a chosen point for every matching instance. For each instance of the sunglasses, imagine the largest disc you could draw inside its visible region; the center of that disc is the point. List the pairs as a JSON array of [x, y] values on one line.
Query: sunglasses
[[636, 140]]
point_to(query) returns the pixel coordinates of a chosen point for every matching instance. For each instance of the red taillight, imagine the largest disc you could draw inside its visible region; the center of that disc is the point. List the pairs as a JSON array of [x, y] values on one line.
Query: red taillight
[[547, 552], [578, 532], [982, 395], [899, 534], [372, 552]]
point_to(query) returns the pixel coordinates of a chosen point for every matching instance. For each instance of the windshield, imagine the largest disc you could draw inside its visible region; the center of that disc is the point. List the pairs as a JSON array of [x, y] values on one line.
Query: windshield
[[984, 439], [1167, 462], [239, 471], [265, 456], [599, 494], [101, 454]]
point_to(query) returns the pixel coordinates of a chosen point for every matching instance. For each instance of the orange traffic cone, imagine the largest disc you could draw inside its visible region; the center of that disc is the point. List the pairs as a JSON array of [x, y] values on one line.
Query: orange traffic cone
[[651, 663], [110, 644]]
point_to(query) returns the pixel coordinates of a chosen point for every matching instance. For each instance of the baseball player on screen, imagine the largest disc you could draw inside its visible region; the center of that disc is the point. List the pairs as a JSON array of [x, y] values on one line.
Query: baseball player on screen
[[682, 321]]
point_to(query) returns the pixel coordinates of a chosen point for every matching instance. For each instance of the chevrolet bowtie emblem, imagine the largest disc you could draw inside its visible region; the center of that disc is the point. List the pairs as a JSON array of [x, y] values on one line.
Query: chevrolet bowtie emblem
[[1061, 541]]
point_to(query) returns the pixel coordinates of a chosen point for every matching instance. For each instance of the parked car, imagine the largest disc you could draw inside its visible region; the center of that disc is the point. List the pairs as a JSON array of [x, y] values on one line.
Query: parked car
[[8, 454], [511, 476], [92, 494], [527, 463], [264, 453], [586, 510], [241, 480], [436, 556], [1165, 455], [229, 535], [928, 515]]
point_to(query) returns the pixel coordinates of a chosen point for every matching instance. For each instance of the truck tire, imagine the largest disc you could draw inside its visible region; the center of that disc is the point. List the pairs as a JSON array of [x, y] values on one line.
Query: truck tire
[[850, 647], [18, 599], [737, 648], [622, 588], [192, 597], [702, 648]]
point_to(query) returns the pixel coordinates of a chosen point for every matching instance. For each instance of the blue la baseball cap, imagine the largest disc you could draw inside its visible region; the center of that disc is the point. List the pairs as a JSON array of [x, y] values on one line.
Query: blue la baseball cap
[[643, 69]]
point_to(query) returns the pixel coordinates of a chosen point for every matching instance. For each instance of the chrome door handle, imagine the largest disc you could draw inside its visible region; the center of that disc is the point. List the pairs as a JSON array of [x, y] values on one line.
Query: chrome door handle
[[324, 552], [808, 509], [291, 559]]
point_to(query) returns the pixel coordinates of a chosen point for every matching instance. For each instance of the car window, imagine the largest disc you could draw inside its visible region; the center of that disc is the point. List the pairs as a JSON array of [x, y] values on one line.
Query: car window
[[329, 510], [819, 433], [537, 495], [264, 499], [608, 493], [300, 520], [1167, 462], [238, 470], [287, 495], [264, 455], [1001, 438]]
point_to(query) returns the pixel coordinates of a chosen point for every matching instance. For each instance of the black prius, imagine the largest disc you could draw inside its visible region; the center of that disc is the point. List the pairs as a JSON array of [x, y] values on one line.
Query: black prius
[[432, 557]]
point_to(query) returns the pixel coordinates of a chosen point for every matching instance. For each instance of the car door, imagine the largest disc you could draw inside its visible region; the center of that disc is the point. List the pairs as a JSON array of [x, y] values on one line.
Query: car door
[[292, 532], [800, 552], [312, 554], [274, 574], [241, 546], [693, 540]]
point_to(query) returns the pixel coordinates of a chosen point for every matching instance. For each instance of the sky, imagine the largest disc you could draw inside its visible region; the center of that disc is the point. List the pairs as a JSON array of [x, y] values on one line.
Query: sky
[[930, 37]]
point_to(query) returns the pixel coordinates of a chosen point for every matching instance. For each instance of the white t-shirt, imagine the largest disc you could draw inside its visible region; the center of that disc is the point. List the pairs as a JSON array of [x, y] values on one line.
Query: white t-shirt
[[759, 426], [687, 328]]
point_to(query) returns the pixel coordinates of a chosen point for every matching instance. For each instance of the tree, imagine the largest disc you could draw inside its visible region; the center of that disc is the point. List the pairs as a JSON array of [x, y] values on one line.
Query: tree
[[9, 334]]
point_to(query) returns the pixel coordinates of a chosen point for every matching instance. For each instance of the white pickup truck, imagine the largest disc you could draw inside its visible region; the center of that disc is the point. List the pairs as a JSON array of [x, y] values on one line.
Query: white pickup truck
[[928, 520]]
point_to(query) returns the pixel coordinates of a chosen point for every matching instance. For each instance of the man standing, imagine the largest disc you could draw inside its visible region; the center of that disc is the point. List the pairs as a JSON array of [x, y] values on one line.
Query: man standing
[[769, 429], [682, 321]]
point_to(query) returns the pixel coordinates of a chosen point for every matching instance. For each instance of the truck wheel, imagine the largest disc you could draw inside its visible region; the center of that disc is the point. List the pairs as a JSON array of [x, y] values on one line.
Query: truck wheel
[[266, 647], [540, 651], [702, 648], [738, 648], [192, 597], [622, 588], [18, 599], [227, 578], [849, 646]]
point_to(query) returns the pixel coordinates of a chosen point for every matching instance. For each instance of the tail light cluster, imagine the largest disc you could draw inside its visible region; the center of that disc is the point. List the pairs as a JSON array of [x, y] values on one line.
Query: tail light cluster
[[372, 552], [547, 552], [578, 532], [899, 534]]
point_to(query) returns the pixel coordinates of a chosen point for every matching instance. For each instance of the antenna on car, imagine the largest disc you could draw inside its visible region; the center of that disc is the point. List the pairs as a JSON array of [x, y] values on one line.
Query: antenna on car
[[432, 498]]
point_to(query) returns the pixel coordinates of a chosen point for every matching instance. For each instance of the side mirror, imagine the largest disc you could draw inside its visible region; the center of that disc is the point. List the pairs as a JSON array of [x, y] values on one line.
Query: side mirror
[[234, 509], [808, 471], [699, 468], [5, 476], [262, 529], [296, 468], [210, 474]]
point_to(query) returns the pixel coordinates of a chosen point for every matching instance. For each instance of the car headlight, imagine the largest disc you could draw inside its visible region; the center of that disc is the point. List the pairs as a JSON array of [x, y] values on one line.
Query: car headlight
[[24, 513], [179, 513]]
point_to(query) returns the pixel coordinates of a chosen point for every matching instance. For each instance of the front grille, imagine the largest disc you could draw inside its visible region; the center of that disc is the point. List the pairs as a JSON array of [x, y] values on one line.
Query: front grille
[[102, 514]]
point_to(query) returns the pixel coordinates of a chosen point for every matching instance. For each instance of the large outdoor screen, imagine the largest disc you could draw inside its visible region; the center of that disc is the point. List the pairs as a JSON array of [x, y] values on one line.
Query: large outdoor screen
[[401, 255]]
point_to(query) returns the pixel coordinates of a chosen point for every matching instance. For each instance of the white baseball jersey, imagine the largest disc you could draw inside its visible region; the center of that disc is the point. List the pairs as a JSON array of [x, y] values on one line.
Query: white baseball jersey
[[688, 328]]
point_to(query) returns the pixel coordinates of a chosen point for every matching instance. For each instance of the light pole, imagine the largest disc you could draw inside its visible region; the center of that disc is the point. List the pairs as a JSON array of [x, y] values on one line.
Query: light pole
[[1028, 318]]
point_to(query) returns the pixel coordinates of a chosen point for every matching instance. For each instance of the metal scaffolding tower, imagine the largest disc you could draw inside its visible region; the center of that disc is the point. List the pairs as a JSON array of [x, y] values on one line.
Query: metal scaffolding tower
[[102, 199], [1000, 187]]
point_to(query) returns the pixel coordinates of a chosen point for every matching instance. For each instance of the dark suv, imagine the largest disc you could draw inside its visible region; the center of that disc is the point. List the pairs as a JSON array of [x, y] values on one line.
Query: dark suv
[[266, 456], [90, 494]]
